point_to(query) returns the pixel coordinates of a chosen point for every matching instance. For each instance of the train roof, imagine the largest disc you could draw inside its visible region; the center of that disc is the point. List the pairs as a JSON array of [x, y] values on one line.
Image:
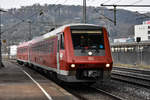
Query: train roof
[[60, 29], [54, 32], [24, 44]]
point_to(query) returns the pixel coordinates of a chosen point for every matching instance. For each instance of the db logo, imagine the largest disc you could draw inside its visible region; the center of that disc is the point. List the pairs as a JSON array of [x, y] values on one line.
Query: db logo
[[90, 58]]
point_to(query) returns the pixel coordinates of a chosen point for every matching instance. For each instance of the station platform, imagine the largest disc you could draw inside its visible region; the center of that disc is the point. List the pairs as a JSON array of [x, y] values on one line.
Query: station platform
[[21, 83]]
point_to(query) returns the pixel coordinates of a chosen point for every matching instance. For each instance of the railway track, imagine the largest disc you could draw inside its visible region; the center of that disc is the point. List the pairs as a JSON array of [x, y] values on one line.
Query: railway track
[[110, 94], [91, 93], [134, 76], [134, 70]]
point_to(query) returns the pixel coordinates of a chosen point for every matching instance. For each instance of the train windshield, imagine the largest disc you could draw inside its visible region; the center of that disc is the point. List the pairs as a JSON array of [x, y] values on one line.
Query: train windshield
[[88, 40]]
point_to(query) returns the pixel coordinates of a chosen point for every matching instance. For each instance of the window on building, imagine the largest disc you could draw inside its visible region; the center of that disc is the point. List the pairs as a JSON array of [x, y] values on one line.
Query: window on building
[[148, 32], [149, 37]]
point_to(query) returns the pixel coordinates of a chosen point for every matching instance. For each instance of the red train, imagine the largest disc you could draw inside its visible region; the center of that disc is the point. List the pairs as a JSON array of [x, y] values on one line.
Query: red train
[[72, 53]]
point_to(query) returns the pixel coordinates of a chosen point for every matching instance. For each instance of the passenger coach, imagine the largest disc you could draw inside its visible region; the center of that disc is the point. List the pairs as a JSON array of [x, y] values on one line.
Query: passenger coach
[[71, 53]]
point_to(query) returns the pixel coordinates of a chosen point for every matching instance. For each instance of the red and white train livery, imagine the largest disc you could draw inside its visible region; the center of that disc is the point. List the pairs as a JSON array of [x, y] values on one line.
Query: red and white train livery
[[74, 53]]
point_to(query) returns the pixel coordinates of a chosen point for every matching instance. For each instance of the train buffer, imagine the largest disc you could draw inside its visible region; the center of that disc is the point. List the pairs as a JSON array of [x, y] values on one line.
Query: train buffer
[[21, 83]]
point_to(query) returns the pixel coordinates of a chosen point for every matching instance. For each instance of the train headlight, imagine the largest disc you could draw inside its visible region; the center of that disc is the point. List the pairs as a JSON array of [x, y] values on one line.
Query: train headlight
[[90, 53], [107, 65], [73, 65]]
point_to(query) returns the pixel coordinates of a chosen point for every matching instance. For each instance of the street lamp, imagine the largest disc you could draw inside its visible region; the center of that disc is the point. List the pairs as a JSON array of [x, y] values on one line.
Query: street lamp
[[1, 64]]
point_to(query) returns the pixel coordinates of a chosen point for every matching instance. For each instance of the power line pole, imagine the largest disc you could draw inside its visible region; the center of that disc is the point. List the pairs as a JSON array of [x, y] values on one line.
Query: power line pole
[[84, 11], [115, 8], [1, 64], [29, 36], [127, 5]]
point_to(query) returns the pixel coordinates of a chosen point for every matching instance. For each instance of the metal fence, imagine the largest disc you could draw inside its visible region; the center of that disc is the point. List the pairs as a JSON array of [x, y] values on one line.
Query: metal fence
[[131, 54]]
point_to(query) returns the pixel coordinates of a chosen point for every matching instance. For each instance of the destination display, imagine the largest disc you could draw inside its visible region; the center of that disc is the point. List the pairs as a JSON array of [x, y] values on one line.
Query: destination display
[[87, 31]]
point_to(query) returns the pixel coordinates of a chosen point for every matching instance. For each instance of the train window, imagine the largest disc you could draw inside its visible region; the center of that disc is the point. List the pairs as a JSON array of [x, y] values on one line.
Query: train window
[[58, 44], [47, 46], [62, 41], [91, 39], [51, 47]]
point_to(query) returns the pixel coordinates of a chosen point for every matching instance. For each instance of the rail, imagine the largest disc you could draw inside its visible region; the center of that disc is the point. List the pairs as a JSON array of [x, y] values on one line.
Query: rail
[[133, 76]]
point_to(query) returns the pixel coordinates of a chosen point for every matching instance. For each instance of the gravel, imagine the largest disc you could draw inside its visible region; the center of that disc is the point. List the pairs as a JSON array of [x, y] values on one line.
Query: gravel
[[125, 90]]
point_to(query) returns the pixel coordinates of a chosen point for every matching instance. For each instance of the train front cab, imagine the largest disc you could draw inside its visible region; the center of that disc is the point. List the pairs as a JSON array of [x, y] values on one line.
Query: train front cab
[[84, 54]]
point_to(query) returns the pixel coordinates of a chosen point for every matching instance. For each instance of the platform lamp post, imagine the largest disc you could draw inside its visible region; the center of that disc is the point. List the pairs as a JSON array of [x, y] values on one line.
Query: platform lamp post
[[29, 36], [1, 64]]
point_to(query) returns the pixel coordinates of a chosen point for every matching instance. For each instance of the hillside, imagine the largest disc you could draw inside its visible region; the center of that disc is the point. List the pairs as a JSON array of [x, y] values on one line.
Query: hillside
[[16, 25]]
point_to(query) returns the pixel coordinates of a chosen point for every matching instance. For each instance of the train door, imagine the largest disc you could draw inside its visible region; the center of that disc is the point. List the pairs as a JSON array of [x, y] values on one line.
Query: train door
[[58, 48], [29, 53]]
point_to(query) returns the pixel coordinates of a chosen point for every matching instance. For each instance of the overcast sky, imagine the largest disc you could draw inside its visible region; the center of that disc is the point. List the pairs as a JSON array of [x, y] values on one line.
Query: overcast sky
[[7, 4]]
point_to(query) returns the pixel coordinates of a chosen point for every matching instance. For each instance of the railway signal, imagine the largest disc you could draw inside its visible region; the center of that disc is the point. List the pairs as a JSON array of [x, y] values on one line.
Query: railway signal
[[4, 41], [138, 39]]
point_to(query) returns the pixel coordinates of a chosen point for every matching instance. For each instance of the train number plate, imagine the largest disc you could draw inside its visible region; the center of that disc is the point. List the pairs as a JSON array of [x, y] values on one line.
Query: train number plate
[[90, 58]]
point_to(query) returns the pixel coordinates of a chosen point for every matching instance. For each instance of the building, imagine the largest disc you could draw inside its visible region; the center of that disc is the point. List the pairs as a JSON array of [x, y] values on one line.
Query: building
[[120, 40], [13, 51], [123, 40], [142, 31]]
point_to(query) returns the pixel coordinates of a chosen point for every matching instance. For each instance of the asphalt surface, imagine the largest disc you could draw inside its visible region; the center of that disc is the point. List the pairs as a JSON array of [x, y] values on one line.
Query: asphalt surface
[[21, 83]]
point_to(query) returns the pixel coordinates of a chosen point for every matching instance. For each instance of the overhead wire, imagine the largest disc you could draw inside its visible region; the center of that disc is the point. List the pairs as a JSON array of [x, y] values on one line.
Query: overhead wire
[[22, 20], [145, 16], [138, 1], [117, 1], [106, 1], [11, 27], [56, 1], [65, 1], [61, 3], [16, 16]]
